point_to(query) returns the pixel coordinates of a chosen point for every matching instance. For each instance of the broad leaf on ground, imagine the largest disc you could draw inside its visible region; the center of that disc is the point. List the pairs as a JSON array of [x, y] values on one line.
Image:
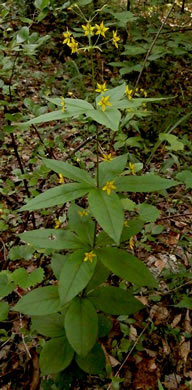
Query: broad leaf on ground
[[55, 356]]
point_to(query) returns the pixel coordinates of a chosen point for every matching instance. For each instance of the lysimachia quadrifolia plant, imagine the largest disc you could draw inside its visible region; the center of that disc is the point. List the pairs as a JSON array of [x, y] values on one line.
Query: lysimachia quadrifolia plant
[[94, 243]]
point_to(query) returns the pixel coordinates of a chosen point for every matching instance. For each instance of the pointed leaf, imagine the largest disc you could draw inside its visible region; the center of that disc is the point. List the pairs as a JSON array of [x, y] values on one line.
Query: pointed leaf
[[109, 169], [100, 275], [114, 301], [81, 325], [52, 239], [55, 356], [49, 326], [147, 212], [145, 183], [126, 266], [56, 196], [110, 118], [134, 226], [94, 362], [57, 263], [69, 171], [108, 211], [82, 225], [75, 276], [49, 117], [39, 302]]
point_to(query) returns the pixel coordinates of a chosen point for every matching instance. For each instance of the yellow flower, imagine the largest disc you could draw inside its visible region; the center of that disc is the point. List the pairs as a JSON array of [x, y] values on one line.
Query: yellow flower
[[128, 92], [83, 213], [107, 157], [57, 224], [131, 243], [115, 39], [88, 29], [67, 36], [61, 178], [104, 102], [101, 88], [101, 29], [62, 103], [126, 223], [78, 159], [108, 187], [73, 45], [132, 168], [89, 256]]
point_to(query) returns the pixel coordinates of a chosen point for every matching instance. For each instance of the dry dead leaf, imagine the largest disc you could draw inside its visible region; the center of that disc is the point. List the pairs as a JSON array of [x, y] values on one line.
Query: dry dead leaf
[[187, 322], [184, 350], [166, 347], [159, 314], [176, 321], [143, 300], [132, 333], [114, 362]]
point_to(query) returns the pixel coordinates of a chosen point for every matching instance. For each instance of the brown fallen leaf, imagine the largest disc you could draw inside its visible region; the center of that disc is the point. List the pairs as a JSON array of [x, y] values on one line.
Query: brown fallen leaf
[[176, 321], [166, 347], [132, 333], [159, 314], [187, 322]]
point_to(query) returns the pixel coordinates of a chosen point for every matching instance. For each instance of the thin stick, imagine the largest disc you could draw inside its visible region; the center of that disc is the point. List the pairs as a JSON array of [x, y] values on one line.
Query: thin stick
[[174, 216], [130, 352], [151, 47]]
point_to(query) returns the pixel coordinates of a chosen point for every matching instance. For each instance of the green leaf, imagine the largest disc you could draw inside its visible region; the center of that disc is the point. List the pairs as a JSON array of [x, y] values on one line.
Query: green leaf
[[39, 302], [75, 276], [186, 177], [175, 145], [81, 325], [83, 226], [160, 385], [69, 171], [49, 326], [145, 183], [56, 196], [126, 266], [52, 239], [114, 301], [186, 302], [94, 362], [21, 252], [108, 170], [23, 34], [6, 286], [49, 117], [57, 263], [100, 275], [4, 310], [134, 227], [108, 211], [147, 212], [103, 240], [25, 280], [105, 325], [55, 356], [73, 107], [110, 118], [128, 204]]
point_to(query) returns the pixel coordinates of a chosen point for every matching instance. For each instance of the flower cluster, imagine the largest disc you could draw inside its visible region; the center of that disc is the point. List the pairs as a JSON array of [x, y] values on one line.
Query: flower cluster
[[107, 157], [89, 31], [109, 186]]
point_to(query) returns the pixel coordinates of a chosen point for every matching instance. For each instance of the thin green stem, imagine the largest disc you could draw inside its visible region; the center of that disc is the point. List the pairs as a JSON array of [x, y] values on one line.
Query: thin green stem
[[94, 94]]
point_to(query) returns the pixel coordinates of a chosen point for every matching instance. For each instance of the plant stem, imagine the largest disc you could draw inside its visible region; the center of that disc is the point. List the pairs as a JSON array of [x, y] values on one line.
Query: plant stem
[[97, 133]]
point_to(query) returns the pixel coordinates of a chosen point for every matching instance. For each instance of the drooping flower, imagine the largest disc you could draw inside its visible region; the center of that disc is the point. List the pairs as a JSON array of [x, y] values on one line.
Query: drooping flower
[[57, 224], [131, 243], [101, 88], [109, 186], [128, 92], [62, 103], [89, 256], [115, 39], [61, 178], [132, 168], [104, 102], [83, 213], [107, 157], [101, 29], [88, 29], [73, 45], [67, 36]]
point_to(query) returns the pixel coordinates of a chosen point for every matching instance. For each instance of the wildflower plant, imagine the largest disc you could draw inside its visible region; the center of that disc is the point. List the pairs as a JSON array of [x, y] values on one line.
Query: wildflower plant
[[94, 242]]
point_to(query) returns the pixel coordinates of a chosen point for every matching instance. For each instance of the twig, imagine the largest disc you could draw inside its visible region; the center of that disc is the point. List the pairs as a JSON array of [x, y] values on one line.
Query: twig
[[23, 338], [151, 47], [174, 216], [49, 152], [130, 352], [176, 288]]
